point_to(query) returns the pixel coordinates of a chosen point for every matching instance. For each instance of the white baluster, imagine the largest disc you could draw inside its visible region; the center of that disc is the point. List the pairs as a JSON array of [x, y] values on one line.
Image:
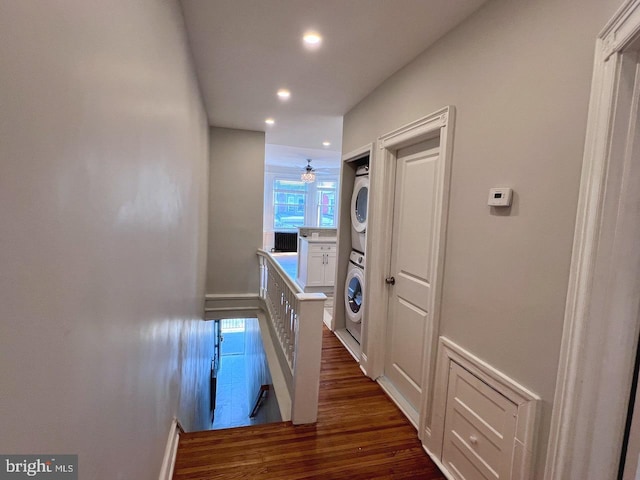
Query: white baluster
[[296, 320]]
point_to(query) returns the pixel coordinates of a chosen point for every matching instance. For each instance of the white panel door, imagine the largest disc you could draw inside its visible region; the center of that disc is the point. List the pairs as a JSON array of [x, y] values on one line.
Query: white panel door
[[412, 265]]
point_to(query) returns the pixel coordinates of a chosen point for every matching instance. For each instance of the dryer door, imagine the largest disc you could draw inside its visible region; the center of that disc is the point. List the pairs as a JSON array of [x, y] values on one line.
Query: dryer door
[[359, 201], [353, 295]]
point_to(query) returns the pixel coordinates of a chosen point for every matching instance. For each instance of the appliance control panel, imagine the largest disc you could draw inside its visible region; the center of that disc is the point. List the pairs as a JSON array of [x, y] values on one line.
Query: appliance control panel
[[357, 258]]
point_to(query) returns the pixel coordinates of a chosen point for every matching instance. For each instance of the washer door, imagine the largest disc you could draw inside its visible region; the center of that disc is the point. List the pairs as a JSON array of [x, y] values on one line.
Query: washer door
[[359, 201], [353, 294]]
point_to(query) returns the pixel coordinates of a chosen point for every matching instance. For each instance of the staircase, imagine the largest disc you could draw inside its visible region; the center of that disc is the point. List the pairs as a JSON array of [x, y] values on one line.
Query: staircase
[[359, 434]]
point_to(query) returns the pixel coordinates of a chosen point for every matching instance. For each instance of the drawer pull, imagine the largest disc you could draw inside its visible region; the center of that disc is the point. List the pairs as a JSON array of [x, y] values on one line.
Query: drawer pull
[[473, 440]]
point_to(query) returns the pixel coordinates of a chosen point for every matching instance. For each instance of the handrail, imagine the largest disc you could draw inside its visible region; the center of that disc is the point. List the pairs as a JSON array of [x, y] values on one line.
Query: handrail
[[274, 264], [296, 322]]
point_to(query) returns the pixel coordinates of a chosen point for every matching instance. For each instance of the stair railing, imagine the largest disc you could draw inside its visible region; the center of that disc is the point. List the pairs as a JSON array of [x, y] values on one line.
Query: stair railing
[[295, 318]]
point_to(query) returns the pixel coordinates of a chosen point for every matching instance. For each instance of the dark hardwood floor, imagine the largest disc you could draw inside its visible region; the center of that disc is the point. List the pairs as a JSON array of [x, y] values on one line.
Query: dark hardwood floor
[[360, 435]]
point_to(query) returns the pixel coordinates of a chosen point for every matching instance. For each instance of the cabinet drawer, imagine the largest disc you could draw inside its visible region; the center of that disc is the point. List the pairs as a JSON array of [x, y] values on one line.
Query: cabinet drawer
[[320, 248], [480, 428]]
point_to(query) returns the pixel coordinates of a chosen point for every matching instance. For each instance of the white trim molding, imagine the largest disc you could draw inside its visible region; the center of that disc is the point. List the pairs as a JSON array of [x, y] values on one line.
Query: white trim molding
[[338, 321], [601, 322], [231, 305], [526, 401], [421, 129], [440, 125], [439, 464], [350, 344], [358, 153], [170, 451], [401, 402]]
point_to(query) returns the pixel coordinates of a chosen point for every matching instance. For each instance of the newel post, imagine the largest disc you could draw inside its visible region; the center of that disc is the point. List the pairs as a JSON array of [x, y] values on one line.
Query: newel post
[[263, 276], [308, 352]]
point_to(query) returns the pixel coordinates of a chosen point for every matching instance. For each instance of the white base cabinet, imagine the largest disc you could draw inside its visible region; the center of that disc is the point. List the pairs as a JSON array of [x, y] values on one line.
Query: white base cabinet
[[483, 423], [480, 427], [316, 263]]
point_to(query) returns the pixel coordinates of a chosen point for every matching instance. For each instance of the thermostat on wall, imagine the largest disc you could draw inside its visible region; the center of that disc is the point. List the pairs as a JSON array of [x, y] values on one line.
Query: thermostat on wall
[[500, 197]]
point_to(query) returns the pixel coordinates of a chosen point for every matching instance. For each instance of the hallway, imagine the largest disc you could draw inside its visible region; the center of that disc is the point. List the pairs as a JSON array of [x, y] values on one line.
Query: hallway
[[360, 434]]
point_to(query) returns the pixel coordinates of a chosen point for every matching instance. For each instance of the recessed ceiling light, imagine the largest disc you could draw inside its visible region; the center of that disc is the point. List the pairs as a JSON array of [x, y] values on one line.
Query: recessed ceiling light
[[326, 144], [269, 121], [312, 39], [284, 94]]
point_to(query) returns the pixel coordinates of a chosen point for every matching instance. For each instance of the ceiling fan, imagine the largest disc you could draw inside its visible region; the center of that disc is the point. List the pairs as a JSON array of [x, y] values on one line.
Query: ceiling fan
[[308, 175]]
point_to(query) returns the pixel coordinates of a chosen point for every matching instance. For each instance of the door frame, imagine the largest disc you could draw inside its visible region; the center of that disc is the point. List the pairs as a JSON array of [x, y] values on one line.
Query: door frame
[[601, 319], [379, 238]]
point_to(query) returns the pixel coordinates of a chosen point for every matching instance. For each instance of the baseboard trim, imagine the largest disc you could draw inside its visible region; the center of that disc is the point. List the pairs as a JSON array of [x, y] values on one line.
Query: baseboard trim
[[231, 305], [225, 313], [326, 318], [170, 451], [439, 464], [364, 362], [404, 406], [349, 343]]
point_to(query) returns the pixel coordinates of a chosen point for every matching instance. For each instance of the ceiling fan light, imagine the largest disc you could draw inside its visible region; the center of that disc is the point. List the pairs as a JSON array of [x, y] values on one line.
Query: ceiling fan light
[[308, 176]]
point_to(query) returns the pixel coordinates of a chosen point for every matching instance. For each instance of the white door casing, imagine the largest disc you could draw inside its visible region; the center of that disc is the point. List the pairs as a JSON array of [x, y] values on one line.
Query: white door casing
[[380, 221], [601, 319], [344, 248]]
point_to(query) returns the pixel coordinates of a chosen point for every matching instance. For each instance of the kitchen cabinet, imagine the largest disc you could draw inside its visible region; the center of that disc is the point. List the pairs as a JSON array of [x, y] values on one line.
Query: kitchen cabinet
[[316, 262]]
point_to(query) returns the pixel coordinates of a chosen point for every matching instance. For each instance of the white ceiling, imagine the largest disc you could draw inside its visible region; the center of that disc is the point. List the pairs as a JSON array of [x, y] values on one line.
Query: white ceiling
[[245, 50], [323, 160]]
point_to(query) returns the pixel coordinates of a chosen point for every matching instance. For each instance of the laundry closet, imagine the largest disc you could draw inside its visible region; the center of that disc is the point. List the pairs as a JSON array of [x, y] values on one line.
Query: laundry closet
[[348, 309], [391, 250]]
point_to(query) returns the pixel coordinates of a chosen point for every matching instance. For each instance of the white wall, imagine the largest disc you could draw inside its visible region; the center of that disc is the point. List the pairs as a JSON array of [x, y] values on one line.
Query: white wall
[[258, 374], [103, 197], [235, 210], [518, 73]]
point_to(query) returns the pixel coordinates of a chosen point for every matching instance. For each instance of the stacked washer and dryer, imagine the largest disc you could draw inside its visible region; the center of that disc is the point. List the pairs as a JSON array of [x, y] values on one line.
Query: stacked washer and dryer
[[354, 286]]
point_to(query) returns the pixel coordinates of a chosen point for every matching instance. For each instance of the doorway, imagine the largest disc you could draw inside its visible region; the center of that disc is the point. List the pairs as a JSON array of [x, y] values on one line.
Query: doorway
[[409, 201], [410, 281], [602, 325]]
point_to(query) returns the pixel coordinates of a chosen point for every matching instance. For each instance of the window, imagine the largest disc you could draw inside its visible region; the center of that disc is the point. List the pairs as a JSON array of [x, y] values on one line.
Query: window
[[232, 325], [289, 199], [326, 204], [290, 203]]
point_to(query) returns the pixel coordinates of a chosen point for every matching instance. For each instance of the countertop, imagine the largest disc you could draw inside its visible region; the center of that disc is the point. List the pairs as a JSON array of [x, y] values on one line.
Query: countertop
[[319, 239]]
